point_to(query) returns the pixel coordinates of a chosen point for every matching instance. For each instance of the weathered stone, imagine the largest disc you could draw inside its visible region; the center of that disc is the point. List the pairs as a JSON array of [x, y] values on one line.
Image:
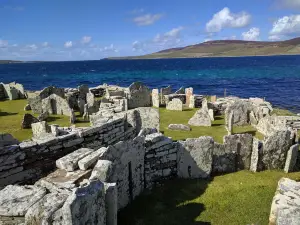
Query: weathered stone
[[102, 171], [16, 200], [189, 92], [70, 161], [54, 104], [213, 98], [147, 117], [86, 115], [175, 104], [139, 95], [291, 158], [42, 211], [111, 203], [224, 159], [27, 107], [39, 129], [229, 123], [200, 118], [43, 116], [275, 149], [81, 103], [86, 205], [28, 119], [253, 120], [194, 157], [163, 92], [155, 98], [211, 114], [90, 160], [191, 102], [205, 104], [63, 181], [241, 144], [285, 209], [72, 117], [256, 156], [179, 127], [241, 110]]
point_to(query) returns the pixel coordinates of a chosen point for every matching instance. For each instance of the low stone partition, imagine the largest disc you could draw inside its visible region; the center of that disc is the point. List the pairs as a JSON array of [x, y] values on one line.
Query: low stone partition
[[285, 209], [28, 161]]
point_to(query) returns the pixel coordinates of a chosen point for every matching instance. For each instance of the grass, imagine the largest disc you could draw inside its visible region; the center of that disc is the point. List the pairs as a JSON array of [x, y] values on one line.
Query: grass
[[282, 112], [11, 115], [234, 199], [217, 130]]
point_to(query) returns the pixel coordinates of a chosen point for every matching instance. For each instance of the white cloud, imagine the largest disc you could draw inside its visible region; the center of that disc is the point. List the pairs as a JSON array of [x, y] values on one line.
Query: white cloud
[[169, 38], [252, 34], [286, 26], [45, 44], [3, 43], [207, 39], [147, 19], [111, 47], [86, 39], [226, 19], [31, 47], [138, 46], [68, 44], [137, 11]]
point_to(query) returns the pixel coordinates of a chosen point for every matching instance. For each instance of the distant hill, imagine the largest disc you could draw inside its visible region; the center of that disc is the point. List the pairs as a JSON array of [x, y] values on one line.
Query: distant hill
[[228, 48], [9, 61]]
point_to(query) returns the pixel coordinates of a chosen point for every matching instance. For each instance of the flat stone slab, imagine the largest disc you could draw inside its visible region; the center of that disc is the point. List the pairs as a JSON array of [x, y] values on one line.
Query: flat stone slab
[[42, 211], [91, 159], [70, 161], [179, 127], [61, 179], [16, 200]]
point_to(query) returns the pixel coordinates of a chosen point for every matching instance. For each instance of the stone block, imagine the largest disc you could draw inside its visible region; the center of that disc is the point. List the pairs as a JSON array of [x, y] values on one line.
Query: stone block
[[70, 161], [179, 127], [200, 118], [90, 160], [291, 158], [16, 200], [175, 105]]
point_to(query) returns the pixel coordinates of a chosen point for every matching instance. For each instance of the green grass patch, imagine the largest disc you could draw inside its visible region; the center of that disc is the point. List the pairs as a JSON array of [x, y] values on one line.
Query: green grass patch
[[11, 115], [233, 199], [282, 112], [217, 130]]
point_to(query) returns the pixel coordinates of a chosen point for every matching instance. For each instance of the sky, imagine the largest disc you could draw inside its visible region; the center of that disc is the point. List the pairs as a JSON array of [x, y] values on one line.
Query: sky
[[64, 30]]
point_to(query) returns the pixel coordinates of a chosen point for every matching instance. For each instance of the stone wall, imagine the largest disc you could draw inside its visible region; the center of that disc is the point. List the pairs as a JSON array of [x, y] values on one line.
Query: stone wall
[[160, 159], [28, 161]]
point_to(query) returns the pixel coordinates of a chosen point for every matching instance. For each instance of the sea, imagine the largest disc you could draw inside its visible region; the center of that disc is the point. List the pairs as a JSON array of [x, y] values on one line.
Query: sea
[[275, 78]]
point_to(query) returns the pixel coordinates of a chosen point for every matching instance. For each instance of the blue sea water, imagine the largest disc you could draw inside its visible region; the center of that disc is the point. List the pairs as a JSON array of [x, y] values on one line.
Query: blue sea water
[[277, 78]]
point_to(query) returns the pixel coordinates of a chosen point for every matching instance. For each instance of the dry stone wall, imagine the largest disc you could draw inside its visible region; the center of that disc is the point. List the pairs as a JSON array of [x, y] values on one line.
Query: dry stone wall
[[28, 161]]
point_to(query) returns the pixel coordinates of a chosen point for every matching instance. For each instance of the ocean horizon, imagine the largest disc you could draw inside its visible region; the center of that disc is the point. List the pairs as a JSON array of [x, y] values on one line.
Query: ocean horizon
[[275, 78]]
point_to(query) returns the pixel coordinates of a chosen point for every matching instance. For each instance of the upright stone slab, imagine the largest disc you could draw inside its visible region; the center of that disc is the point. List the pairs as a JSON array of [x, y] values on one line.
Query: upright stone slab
[[163, 92], [70, 161], [205, 104], [28, 119], [224, 159], [139, 95], [211, 114], [242, 145], [200, 118], [276, 148], [103, 171], [111, 203], [189, 92], [194, 157], [213, 98], [16, 200], [291, 158], [175, 105], [86, 205], [191, 102], [39, 129], [256, 156], [155, 98], [229, 123], [241, 110]]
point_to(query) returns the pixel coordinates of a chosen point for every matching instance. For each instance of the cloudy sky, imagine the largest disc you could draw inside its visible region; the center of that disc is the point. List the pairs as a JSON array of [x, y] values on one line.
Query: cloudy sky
[[94, 29]]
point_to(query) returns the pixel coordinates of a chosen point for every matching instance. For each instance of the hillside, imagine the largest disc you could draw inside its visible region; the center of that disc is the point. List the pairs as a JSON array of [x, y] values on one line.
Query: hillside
[[9, 61], [228, 48]]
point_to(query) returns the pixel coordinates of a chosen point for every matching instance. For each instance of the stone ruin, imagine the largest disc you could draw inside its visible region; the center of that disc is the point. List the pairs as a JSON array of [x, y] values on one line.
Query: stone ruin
[[86, 175], [12, 91]]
